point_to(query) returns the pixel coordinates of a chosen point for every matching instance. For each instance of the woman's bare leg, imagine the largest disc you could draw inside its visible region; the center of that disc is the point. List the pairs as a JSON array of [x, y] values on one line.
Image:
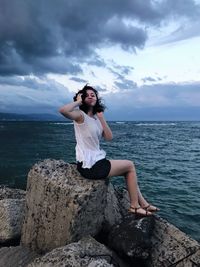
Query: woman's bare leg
[[141, 199], [144, 204], [127, 169]]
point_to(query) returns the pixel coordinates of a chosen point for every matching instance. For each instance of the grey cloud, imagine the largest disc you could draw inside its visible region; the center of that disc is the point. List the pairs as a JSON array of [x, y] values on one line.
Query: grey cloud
[[151, 79], [93, 74], [161, 101], [148, 79], [124, 70], [116, 73], [14, 80], [120, 72], [125, 84], [39, 36], [154, 114], [157, 96], [171, 101], [96, 61], [183, 32], [32, 96], [186, 8], [32, 83], [100, 88], [117, 32], [79, 80]]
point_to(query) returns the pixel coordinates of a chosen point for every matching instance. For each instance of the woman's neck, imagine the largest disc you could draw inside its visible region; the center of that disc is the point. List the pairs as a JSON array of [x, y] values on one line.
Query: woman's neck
[[90, 112]]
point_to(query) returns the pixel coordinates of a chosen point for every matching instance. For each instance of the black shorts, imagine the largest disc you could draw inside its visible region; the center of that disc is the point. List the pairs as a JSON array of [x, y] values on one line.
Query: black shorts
[[99, 170]]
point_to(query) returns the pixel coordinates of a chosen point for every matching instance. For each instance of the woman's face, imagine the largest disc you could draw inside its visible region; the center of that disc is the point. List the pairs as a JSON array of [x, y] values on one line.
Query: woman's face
[[91, 98]]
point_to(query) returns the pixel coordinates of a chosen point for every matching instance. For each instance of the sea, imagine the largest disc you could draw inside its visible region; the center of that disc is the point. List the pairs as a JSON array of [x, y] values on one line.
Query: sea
[[166, 156]]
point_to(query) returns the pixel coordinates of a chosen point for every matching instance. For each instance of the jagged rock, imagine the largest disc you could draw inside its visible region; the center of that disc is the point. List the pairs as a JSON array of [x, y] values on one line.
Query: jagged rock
[[61, 206], [12, 203], [132, 237], [16, 256], [85, 253], [172, 247], [117, 204], [11, 193]]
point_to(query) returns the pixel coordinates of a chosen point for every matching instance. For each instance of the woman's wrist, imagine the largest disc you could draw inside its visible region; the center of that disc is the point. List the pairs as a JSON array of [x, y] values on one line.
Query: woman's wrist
[[78, 102]]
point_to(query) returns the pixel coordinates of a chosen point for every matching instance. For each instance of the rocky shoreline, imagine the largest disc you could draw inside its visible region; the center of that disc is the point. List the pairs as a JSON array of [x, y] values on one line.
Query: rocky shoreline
[[63, 219]]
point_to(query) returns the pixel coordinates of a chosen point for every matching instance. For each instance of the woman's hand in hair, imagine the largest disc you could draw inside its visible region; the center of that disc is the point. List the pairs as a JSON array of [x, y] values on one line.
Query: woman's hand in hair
[[79, 98]]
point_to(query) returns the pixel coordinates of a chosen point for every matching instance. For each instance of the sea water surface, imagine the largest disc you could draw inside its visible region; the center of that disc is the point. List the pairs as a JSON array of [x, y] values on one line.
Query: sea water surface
[[166, 156]]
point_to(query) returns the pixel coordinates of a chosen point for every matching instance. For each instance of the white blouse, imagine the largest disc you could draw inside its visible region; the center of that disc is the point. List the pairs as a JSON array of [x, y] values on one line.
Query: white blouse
[[88, 135]]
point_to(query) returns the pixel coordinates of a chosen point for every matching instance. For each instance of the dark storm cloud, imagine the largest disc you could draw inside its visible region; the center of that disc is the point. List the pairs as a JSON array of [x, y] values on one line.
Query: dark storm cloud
[[52, 36]]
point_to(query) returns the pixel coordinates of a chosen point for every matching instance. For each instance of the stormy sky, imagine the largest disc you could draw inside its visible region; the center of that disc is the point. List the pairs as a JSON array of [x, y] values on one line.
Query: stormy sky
[[142, 56]]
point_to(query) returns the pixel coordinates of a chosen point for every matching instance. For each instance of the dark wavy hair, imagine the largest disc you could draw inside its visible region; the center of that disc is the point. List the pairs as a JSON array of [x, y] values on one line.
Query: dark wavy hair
[[99, 107]]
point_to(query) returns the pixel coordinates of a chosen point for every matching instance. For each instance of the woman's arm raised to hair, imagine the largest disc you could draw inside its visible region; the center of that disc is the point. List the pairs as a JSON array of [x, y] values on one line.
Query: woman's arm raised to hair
[[107, 133], [69, 111]]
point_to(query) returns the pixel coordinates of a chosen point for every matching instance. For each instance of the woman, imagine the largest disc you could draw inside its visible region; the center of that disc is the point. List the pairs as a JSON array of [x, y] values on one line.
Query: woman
[[89, 123]]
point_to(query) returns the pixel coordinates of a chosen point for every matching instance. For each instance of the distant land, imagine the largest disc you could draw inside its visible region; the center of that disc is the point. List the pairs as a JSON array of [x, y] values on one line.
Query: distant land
[[30, 117]]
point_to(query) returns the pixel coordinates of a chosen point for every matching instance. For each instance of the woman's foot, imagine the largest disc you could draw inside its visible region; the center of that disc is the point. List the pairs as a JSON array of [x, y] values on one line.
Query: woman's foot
[[139, 211], [150, 208]]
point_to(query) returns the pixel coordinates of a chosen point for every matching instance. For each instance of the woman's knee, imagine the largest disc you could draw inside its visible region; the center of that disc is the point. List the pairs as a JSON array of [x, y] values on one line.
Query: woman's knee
[[121, 167]]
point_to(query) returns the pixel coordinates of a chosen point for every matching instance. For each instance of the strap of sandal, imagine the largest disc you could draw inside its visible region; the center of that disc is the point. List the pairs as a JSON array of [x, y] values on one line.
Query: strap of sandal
[[134, 208]]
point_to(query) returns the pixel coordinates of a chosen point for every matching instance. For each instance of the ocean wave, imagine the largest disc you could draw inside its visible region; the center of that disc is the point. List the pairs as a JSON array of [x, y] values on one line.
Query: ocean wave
[[156, 124], [62, 123]]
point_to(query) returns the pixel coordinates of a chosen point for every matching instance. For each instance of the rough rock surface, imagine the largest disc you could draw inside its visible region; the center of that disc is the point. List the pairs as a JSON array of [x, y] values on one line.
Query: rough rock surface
[[11, 193], [12, 203], [172, 247], [61, 206], [16, 256], [117, 205], [132, 237], [85, 253]]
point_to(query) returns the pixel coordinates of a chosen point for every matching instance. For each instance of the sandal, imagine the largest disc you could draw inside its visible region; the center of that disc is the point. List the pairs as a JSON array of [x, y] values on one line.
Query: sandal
[[150, 208], [136, 211]]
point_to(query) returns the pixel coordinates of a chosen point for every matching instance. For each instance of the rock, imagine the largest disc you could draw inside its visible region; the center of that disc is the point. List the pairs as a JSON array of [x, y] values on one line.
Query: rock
[[61, 206], [117, 204], [12, 204], [132, 237], [16, 256], [85, 253], [11, 193], [172, 247]]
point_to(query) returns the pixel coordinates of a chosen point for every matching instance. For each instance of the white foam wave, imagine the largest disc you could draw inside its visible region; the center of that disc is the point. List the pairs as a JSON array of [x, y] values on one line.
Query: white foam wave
[[62, 123], [156, 124]]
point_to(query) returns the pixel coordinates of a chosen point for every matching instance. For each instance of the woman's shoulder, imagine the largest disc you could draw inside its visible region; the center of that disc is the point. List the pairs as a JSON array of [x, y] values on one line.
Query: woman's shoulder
[[82, 119]]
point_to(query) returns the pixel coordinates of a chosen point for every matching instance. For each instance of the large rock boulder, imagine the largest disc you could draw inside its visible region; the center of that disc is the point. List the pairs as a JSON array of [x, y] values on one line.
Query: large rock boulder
[[172, 247], [16, 256], [61, 206], [85, 253], [117, 205], [132, 237], [12, 204]]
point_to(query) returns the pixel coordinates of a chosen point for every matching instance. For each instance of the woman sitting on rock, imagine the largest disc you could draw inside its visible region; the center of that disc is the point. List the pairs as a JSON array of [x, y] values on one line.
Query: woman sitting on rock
[[90, 125]]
